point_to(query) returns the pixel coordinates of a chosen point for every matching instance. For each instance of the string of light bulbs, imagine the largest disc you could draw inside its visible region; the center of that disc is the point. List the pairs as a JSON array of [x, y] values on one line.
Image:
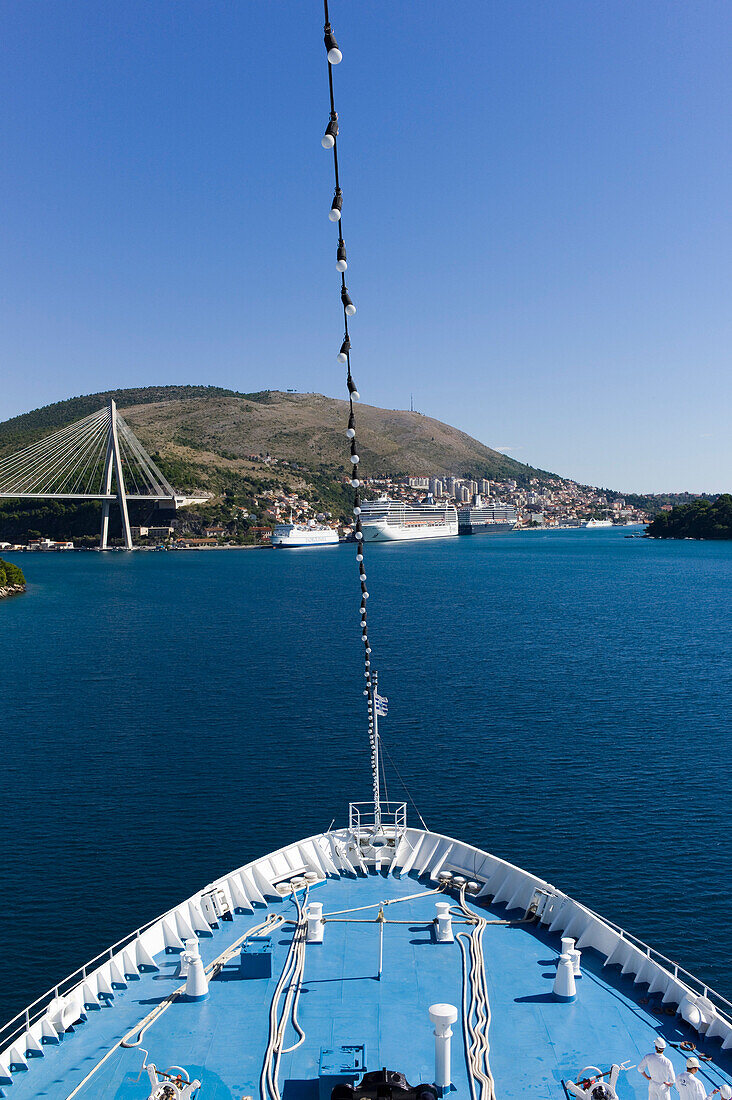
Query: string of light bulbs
[[330, 141]]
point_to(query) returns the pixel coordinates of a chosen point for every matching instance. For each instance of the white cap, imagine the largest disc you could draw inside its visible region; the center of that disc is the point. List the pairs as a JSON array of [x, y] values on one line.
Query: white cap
[[692, 1063], [660, 1043], [726, 1092]]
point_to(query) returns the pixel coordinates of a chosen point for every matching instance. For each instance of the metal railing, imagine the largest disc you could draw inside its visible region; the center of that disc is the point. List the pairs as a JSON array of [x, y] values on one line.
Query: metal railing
[[695, 984], [36, 1009], [362, 817]]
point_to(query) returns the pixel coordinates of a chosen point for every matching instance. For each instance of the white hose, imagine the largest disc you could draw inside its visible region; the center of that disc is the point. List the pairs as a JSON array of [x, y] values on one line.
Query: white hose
[[290, 979], [476, 1012]]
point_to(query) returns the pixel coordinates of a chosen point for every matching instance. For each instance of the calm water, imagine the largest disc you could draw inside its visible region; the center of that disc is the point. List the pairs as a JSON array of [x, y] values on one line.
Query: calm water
[[560, 699]]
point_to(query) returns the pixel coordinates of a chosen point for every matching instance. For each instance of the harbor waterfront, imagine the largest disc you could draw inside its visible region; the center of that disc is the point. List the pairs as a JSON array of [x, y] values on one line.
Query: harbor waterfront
[[146, 695]]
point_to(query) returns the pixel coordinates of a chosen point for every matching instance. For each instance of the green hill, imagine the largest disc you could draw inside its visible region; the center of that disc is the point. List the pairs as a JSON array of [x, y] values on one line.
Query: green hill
[[203, 424], [240, 448]]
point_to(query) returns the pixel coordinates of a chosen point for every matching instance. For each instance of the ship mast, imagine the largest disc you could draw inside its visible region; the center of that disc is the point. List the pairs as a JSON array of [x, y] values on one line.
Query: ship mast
[[330, 141]]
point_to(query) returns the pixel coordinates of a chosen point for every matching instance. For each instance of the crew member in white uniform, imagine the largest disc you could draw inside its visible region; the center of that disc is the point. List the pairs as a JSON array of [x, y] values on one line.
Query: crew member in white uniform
[[688, 1083], [658, 1071]]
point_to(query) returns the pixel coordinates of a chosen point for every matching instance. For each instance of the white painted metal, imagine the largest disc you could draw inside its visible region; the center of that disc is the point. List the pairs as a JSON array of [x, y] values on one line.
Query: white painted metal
[[314, 914], [443, 927], [564, 988], [443, 1016]]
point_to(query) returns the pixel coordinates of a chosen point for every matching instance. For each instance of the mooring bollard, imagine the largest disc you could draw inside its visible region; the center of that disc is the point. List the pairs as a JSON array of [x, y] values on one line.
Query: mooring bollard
[[443, 923], [196, 980], [314, 913], [564, 988]]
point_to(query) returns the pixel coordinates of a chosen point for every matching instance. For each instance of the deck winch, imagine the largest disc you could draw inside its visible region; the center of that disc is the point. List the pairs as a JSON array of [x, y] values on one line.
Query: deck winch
[[384, 1084], [176, 1084]]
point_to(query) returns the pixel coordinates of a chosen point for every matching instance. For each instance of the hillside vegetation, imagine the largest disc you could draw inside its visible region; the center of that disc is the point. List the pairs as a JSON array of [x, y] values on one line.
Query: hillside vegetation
[[701, 519], [11, 578], [304, 428], [240, 447]]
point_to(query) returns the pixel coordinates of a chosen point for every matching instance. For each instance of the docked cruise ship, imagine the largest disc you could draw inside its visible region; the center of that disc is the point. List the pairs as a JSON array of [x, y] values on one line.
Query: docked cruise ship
[[487, 518], [303, 534], [386, 520], [599, 523]]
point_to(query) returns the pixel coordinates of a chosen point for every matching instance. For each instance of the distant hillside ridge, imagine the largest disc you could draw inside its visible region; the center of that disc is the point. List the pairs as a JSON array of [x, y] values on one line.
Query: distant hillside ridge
[[194, 426]]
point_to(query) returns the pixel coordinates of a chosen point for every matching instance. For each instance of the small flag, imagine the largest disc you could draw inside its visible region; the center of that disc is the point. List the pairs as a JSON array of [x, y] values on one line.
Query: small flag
[[382, 705]]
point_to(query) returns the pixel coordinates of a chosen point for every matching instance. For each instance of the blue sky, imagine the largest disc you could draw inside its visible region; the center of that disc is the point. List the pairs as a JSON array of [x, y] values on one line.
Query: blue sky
[[537, 214]]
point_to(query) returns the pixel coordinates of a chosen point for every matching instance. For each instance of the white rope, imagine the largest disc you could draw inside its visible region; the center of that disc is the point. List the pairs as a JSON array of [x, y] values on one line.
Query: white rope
[[291, 979], [477, 1012], [379, 904], [269, 925]]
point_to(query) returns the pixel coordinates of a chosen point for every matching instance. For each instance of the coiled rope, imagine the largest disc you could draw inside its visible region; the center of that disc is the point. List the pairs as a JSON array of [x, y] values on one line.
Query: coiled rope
[[476, 1008]]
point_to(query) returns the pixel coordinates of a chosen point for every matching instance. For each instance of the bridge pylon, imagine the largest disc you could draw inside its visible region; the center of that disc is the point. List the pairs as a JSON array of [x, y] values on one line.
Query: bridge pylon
[[114, 459], [80, 462]]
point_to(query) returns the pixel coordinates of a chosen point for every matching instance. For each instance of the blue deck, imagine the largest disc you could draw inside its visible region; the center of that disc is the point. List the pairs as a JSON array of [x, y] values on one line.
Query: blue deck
[[535, 1041]]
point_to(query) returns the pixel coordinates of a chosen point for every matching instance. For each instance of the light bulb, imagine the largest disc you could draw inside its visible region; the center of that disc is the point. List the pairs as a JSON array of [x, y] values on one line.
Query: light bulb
[[354, 460], [341, 261], [351, 433], [347, 303], [336, 206], [357, 511], [359, 536], [343, 353], [331, 133], [355, 482], [334, 54], [355, 395]]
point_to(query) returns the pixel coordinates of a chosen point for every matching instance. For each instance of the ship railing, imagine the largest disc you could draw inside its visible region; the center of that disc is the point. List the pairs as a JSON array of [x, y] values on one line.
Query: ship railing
[[391, 817], [696, 985], [25, 1019]]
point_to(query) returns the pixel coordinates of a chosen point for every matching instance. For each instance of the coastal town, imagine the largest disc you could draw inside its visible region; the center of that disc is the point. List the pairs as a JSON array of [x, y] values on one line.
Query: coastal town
[[551, 503]]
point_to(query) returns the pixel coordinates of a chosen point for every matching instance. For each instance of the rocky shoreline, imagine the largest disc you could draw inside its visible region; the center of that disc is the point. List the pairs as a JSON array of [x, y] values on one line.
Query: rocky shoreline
[[11, 590]]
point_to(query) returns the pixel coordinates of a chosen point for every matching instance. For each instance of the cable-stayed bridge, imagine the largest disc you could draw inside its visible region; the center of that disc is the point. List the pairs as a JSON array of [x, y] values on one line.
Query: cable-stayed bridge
[[97, 458]]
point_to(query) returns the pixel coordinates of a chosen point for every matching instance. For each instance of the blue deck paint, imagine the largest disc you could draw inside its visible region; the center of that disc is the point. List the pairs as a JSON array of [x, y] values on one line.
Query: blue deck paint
[[535, 1040]]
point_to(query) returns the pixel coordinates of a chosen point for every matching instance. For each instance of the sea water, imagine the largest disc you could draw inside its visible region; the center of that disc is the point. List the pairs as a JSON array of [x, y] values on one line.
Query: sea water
[[559, 698]]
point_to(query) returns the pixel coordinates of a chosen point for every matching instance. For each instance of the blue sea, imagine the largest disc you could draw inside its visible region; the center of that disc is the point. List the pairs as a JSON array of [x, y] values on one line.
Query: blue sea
[[559, 698]]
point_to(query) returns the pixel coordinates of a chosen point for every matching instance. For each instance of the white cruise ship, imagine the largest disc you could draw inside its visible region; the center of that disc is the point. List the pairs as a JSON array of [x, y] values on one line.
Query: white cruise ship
[[386, 520], [303, 534], [599, 523]]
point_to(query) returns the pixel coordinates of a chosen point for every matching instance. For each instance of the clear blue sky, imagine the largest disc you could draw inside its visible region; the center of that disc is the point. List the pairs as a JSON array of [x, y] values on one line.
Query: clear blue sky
[[537, 213]]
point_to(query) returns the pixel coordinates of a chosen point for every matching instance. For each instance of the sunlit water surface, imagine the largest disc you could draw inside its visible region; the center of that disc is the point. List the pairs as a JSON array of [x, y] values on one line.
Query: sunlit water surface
[[561, 699]]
